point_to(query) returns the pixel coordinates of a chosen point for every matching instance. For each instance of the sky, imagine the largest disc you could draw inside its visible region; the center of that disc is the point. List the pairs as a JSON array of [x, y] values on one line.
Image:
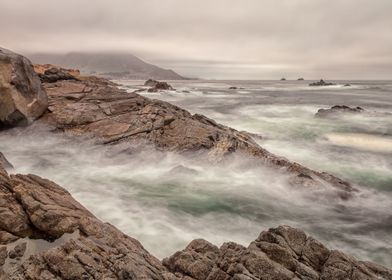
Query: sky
[[216, 39]]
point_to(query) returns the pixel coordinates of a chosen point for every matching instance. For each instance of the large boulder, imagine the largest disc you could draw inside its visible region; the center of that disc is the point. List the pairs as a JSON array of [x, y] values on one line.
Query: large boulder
[[157, 86], [22, 98]]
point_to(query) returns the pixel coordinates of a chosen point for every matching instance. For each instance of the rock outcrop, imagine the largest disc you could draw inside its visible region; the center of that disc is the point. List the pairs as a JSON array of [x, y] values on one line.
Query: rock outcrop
[[53, 74], [157, 86], [280, 253], [45, 234], [338, 110], [321, 83], [98, 108], [22, 97]]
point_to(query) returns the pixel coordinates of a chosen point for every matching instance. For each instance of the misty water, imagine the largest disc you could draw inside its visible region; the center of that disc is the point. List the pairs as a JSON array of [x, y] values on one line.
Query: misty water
[[165, 200]]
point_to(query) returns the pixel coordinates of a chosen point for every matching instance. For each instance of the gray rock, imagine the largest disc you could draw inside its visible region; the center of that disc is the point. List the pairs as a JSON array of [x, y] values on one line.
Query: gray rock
[[22, 98], [18, 251]]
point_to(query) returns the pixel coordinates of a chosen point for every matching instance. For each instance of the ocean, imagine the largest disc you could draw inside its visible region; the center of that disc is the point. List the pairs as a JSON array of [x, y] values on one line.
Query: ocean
[[145, 197]]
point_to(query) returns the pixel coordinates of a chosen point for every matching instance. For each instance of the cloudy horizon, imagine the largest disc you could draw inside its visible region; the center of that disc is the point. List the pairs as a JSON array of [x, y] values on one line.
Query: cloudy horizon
[[221, 39]]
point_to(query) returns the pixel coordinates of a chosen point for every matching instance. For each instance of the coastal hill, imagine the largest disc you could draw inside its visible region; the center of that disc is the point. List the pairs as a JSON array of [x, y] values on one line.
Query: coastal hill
[[109, 65]]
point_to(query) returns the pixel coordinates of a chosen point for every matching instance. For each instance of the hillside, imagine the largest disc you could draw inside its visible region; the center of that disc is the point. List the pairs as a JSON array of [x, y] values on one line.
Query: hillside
[[110, 65]]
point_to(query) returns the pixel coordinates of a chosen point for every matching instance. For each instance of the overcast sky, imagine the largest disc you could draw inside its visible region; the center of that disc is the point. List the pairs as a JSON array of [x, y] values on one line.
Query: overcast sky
[[243, 39]]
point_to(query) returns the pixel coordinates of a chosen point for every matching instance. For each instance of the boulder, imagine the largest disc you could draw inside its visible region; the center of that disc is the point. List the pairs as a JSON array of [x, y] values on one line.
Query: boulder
[[338, 110], [22, 97], [321, 83], [157, 86]]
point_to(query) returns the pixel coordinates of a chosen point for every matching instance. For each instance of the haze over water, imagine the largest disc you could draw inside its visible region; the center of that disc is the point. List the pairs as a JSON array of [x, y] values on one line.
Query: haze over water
[[165, 200]]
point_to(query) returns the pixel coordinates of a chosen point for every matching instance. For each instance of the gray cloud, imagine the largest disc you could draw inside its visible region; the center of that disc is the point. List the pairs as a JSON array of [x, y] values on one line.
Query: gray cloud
[[251, 39]]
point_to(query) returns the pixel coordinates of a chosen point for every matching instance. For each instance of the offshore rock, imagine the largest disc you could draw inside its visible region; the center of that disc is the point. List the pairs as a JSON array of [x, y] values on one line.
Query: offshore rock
[[338, 110], [321, 83]]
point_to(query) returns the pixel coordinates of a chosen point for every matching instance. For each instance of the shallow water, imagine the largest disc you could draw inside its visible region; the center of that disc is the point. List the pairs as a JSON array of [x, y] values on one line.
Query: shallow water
[[166, 200]]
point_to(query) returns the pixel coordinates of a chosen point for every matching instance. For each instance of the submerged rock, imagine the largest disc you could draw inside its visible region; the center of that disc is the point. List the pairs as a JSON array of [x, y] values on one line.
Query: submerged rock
[[22, 98], [233, 88], [34, 207], [337, 110], [321, 83]]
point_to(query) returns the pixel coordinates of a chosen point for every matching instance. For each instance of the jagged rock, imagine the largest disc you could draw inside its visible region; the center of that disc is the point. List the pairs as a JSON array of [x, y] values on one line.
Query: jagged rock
[[321, 83], [4, 162], [22, 98], [337, 110], [279, 253]]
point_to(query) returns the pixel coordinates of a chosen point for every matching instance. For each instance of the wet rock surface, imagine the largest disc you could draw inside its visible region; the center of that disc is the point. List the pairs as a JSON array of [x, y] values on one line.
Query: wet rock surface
[[40, 209], [337, 110], [22, 98]]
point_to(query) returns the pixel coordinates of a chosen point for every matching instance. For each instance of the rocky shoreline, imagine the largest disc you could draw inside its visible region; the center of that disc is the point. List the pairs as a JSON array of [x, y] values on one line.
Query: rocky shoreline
[[46, 234]]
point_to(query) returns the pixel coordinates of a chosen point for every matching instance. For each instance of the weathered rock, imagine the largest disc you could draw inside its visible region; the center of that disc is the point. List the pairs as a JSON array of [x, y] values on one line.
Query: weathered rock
[[4, 162], [54, 74], [22, 97], [338, 110], [157, 86], [41, 68], [321, 83], [280, 253]]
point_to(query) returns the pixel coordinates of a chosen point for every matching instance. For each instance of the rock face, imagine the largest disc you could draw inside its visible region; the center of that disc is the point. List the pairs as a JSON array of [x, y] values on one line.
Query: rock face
[[41, 68], [321, 83], [22, 98], [34, 211], [98, 108], [280, 253], [338, 110], [157, 86]]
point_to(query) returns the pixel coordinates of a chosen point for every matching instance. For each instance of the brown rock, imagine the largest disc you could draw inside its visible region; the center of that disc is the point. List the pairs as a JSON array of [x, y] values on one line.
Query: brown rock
[[4, 162], [22, 97]]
